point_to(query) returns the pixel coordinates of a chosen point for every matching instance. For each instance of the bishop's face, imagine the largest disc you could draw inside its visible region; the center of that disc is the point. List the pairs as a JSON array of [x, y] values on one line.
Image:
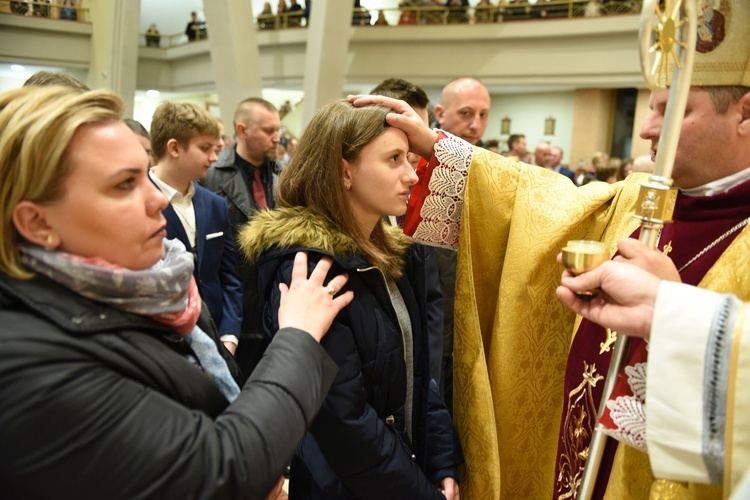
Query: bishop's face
[[707, 147]]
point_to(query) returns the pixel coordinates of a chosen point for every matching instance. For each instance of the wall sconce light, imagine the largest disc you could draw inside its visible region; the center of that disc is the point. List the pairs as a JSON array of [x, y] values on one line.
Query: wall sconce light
[[549, 126], [505, 126]]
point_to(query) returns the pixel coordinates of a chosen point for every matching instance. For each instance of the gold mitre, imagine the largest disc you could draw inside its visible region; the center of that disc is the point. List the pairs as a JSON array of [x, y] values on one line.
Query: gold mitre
[[722, 50]]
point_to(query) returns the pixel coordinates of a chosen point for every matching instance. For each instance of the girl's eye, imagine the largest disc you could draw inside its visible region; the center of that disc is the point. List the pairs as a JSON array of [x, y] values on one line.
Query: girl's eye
[[126, 184]]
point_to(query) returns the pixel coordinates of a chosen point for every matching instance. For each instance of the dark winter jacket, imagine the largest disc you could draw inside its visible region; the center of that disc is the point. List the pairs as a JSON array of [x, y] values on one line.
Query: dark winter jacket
[[99, 403], [357, 446], [225, 179]]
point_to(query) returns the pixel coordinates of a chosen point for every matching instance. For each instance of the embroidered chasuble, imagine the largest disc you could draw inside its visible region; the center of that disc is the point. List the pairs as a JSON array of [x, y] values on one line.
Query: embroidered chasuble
[[698, 222], [512, 334]]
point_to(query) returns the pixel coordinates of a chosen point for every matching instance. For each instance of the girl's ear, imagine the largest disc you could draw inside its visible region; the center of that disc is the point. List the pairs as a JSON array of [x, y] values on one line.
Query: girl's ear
[[348, 173]]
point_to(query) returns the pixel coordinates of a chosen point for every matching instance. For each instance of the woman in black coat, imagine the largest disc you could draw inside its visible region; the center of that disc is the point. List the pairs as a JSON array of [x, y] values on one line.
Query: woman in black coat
[[383, 431], [113, 385]]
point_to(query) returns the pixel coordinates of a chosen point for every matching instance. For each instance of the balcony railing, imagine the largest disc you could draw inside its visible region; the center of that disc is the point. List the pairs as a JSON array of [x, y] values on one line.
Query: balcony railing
[[50, 9], [481, 14]]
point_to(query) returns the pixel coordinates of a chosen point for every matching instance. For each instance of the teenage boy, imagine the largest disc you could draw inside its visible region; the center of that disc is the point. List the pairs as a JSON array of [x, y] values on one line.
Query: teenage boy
[[183, 137]]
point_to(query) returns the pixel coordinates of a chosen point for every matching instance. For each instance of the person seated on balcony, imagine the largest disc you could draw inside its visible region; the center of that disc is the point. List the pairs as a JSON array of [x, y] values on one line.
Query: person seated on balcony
[[360, 16], [266, 19], [408, 16], [456, 11], [20, 8], [153, 38], [484, 12], [381, 20], [432, 13], [294, 14], [281, 9], [69, 10], [41, 8]]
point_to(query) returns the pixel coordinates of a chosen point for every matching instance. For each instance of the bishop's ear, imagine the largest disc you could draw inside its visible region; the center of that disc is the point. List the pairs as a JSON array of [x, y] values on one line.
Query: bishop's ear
[[745, 110]]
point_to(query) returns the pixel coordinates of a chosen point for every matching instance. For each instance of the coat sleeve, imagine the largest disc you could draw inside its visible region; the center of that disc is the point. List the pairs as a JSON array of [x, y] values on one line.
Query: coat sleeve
[[368, 456], [231, 286], [79, 429]]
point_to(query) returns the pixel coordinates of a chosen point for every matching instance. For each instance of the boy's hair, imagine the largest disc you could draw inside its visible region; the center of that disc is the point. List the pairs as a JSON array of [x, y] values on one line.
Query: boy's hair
[[397, 88], [181, 121]]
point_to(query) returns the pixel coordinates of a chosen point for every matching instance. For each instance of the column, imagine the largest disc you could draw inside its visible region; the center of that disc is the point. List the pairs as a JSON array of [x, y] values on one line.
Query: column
[[114, 48], [234, 54], [592, 124], [327, 50]]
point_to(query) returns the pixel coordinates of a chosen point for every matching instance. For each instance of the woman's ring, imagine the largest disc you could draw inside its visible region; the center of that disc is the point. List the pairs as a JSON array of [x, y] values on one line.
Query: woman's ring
[[331, 290]]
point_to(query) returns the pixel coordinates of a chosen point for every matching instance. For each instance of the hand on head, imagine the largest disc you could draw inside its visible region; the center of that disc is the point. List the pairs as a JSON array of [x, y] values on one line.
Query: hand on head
[[307, 304], [421, 138], [629, 286]]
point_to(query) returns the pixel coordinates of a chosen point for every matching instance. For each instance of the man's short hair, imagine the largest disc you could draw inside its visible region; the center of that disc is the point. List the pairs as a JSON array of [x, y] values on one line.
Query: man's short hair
[[180, 121], [244, 112], [514, 138], [137, 127], [398, 88], [47, 78]]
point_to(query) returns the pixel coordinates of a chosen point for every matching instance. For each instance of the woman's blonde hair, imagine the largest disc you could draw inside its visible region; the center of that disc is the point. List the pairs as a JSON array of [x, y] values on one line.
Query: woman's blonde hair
[[36, 127], [314, 177]]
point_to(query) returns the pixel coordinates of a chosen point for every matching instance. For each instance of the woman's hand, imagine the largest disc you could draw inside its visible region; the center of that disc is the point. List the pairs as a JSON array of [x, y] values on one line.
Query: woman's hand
[[278, 493], [625, 302], [421, 138], [448, 487], [307, 304]]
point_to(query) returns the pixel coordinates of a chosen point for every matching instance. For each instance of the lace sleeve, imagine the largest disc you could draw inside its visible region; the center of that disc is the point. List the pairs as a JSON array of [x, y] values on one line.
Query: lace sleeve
[[436, 202]]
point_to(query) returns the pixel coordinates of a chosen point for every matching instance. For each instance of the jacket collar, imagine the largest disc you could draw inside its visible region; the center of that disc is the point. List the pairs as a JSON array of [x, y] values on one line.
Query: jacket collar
[[68, 310], [285, 230]]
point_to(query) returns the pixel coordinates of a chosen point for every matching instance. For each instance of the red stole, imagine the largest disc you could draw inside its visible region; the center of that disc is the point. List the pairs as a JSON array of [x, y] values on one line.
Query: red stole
[[698, 221]]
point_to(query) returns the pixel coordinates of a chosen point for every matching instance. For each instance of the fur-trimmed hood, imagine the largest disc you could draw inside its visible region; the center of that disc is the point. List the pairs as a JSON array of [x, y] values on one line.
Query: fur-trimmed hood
[[299, 227]]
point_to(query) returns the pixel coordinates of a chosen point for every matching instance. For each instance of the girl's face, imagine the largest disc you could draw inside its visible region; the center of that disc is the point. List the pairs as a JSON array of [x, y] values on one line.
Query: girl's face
[[380, 179]]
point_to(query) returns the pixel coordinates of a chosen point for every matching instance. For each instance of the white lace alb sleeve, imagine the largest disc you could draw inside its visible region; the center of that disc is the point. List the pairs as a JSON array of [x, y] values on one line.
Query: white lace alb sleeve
[[441, 210]]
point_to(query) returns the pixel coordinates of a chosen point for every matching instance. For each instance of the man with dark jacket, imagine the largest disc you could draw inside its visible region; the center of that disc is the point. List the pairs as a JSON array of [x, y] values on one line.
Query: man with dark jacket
[[245, 176]]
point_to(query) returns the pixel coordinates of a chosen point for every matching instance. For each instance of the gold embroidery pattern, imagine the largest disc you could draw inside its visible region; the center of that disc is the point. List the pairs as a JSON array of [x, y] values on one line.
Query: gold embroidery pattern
[[579, 422], [606, 346]]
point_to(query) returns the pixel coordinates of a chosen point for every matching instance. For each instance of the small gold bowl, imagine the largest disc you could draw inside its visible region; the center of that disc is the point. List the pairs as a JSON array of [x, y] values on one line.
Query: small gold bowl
[[580, 256]]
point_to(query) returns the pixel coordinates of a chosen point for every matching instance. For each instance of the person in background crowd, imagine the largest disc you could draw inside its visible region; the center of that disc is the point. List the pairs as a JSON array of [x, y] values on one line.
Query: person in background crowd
[[463, 111], [142, 135], [245, 176], [184, 137], [153, 38], [555, 161]]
